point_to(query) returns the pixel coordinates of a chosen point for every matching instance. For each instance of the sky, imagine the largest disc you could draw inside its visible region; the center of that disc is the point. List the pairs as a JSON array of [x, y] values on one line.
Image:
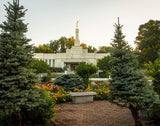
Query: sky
[[52, 19]]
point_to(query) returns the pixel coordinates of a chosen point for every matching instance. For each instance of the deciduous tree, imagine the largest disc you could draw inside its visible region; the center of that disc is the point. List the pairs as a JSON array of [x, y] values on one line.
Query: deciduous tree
[[84, 45], [148, 41], [104, 65], [105, 49], [55, 45], [91, 49], [62, 41], [70, 42], [42, 49]]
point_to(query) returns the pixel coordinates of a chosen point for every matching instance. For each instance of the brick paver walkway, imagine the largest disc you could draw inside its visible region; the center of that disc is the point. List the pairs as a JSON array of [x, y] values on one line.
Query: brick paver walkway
[[98, 113]]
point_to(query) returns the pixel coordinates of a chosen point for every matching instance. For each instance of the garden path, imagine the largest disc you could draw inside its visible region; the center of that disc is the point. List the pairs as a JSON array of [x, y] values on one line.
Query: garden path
[[98, 113]]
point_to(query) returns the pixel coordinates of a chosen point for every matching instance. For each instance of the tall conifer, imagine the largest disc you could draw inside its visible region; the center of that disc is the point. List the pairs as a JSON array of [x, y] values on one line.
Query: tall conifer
[[16, 82], [128, 87]]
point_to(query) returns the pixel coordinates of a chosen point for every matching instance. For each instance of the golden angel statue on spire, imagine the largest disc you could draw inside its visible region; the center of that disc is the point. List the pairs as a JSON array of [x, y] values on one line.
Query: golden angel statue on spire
[[77, 24]]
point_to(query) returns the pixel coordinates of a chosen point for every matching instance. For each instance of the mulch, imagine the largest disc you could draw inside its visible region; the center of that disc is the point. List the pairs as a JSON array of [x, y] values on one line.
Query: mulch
[[98, 113]]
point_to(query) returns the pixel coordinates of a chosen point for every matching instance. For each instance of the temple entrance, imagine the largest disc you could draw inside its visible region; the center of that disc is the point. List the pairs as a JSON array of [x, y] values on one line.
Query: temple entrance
[[71, 65]]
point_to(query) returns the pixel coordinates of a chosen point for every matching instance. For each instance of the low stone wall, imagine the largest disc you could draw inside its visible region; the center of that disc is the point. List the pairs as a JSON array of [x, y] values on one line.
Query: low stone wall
[[105, 80], [99, 79], [41, 75], [95, 79]]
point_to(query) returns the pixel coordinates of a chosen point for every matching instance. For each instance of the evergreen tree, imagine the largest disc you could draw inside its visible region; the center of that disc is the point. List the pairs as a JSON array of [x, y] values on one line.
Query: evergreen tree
[[16, 81], [128, 87]]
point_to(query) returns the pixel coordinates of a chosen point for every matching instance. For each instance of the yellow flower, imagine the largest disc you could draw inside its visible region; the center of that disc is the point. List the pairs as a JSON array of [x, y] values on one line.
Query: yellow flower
[[88, 89], [76, 90], [81, 90]]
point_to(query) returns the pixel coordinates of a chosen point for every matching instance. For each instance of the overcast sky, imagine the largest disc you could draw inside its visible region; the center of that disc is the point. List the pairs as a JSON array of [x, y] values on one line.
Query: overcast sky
[[51, 19]]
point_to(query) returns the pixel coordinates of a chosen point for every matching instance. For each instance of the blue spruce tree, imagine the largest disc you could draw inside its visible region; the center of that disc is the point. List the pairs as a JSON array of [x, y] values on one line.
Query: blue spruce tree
[[128, 87], [17, 89]]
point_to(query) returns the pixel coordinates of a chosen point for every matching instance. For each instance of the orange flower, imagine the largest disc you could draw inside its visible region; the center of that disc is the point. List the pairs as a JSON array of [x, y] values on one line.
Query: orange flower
[[106, 91]]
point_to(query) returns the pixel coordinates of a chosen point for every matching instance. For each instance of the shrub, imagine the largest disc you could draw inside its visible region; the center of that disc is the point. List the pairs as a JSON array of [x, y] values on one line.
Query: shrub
[[153, 69], [39, 65], [69, 82], [46, 78], [155, 111], [38, 115], [94, 76], [41, 114], [85, 70], [54, 75], [105, 74], [6, 119], [56, 69]]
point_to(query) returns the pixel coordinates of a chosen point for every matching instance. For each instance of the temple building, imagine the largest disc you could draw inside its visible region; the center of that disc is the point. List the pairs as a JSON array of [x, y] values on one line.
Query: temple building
[[72, 56]]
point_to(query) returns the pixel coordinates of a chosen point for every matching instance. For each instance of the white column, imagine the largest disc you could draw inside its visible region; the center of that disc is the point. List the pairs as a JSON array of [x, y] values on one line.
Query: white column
[[51, 62], [47, 61], [77, 41]]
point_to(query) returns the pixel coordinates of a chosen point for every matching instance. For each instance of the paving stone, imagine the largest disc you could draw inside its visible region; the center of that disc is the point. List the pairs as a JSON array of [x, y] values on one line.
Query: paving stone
[[98, 113]]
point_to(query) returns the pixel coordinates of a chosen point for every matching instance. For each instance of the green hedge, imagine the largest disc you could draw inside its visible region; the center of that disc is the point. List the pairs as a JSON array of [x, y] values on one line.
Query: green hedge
[[56, 69]]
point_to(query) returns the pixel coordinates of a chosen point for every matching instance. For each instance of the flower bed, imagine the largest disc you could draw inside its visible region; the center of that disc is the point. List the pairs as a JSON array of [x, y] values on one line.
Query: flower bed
[[60, 95]]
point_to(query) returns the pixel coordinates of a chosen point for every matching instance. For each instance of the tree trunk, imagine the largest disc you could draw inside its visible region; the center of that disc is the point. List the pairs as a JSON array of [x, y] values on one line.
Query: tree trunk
[[135, 114], [18, 118]]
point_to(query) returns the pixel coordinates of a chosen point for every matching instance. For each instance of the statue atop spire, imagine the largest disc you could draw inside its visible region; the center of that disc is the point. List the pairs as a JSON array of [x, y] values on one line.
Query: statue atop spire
[[77, 24]]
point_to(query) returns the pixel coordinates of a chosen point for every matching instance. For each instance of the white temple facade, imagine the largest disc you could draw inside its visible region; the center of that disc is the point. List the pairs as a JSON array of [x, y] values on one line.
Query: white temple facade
[[72, 56]]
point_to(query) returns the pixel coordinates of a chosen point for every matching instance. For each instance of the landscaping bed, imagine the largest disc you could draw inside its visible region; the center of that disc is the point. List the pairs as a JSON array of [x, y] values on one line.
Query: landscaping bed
[[60, 95]]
